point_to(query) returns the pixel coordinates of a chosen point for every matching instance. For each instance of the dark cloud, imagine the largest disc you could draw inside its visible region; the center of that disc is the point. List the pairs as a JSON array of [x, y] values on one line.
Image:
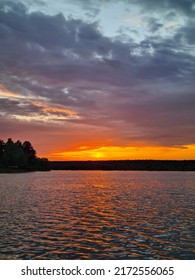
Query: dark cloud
[[186, 33], [11, 108], [89, 32], [55, 47], [14, 107], [154, 25]]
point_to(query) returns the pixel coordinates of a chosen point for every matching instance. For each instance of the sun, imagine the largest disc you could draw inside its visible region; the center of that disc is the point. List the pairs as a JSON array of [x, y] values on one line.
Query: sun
[[98, 154]]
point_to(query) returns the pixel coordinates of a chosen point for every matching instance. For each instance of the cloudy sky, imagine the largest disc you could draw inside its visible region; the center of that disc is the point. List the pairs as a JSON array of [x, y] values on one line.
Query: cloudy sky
[[99, 79]]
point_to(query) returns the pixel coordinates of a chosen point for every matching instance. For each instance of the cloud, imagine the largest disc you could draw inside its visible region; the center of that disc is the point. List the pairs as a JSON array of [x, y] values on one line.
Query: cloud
[[186, 7], [186, 33], [154, 25], [84, 81]]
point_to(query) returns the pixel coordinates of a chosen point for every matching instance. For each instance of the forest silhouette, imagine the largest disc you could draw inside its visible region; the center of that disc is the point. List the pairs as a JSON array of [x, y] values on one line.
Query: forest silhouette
[[18, 156], [141, 165]]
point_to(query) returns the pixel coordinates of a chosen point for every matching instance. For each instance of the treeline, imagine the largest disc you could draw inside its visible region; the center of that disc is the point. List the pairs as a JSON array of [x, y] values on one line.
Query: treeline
[[147, 165], [20, 156]]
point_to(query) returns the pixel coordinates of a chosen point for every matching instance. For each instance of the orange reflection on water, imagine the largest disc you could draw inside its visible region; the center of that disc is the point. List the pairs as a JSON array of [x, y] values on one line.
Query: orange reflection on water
[[97, 215]]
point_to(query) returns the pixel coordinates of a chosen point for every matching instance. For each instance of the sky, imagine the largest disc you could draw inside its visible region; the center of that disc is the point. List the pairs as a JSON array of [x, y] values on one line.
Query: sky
[[93, 80]]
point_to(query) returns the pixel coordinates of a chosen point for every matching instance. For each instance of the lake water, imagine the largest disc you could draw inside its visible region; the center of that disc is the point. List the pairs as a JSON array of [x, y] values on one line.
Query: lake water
[[97, 215]]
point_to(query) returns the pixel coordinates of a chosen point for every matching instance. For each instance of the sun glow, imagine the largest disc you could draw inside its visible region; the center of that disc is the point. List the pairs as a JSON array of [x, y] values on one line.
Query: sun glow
[[98, 154]]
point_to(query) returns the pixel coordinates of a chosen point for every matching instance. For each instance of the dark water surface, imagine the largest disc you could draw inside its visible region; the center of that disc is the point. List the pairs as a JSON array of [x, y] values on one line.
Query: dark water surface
[[97, 215]]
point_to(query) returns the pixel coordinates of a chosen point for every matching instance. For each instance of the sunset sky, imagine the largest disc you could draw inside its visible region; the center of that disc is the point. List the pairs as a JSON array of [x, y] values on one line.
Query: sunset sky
[[99, 79]]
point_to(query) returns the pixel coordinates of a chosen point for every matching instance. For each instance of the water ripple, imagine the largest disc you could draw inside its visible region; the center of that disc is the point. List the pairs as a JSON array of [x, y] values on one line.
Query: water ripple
[[97, 215]]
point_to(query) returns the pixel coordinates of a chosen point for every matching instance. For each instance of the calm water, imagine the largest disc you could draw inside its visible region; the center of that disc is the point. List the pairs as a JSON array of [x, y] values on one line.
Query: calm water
[[97, 215]]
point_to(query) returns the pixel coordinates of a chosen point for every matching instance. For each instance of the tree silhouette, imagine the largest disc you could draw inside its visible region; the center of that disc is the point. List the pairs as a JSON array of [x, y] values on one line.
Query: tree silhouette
[[29, 151], [20, 155], [9, 155], [2, 146]]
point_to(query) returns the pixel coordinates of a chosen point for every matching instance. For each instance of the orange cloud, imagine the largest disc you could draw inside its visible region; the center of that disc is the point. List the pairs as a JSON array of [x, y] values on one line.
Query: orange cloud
[[53, 109], [4, 93]]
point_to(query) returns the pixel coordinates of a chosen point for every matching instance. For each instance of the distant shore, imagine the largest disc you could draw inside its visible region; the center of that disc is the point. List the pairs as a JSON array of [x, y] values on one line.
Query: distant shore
[[18, 170], [12, 170], [140, 165]]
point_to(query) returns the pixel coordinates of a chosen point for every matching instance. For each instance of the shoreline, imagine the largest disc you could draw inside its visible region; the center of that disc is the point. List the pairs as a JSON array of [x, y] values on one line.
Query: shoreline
[[113, 165], [134, 165]]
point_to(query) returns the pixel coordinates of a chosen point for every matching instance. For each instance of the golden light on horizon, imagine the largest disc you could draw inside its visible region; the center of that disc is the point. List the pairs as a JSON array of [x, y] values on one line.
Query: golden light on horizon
[[125, 153]]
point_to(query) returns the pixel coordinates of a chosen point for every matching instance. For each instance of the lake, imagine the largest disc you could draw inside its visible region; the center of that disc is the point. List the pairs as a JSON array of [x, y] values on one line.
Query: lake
[[97, 215]]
